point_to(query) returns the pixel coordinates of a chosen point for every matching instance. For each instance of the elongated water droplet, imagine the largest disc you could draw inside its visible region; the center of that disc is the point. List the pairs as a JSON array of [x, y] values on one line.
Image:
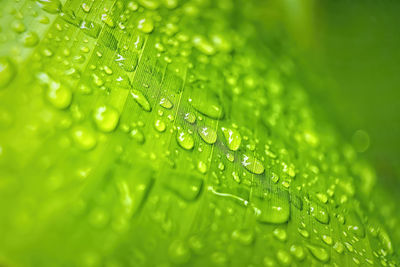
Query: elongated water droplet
[[232, 137], [207, 104], [319, 253], [106, 118], [141, 99], [186, 186], [50, 6], [208, 134], [252, 164], [184, 139], [271, 207], [319, 213]]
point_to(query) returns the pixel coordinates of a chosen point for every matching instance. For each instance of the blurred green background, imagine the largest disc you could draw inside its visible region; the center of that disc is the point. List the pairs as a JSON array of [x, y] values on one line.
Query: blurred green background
[[349, 51]]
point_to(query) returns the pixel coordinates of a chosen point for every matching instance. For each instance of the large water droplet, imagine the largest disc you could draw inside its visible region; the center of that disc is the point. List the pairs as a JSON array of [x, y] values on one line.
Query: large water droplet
[[141, 99], [184, 139], [207, 104], [186, 186], [252, 164], [50, 6], [30, 39], [160, 125], [319, 253], [106, 118], [58, 95], [319, 213], [208, 134], [271, 207], [145, 25], [232, 137]]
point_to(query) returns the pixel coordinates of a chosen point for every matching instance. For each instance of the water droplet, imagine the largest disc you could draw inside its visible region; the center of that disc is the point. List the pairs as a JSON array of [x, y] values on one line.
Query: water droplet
[[137, 135], [327, 239], [186, 186], [304, 233], [145, 25], [385, 240], [106, 118], [207, 104], [179, 252], [355, 226], [30, 39], [106, 18], [86, 7], [280, 234], [141, 100], [319, 213], [232, 137], [202, 167], [244, 236], [298, 252], [208, 134], [271, 207], [185, 140], [160, 125], [338, 246], [84, 137], [58, 95], [50, 6], [319, 253], [7, 71], [127, 60], [284, 258], [203, 45], [166, 103], [252, 164], [18, 26], [190, 117], [149, 4]]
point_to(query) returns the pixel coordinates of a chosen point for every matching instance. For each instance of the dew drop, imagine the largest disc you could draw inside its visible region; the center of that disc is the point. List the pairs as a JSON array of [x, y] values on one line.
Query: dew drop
[[208, 134], [106, 118], [232, 137], [252, 164], [141, 100], [185, 140]]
